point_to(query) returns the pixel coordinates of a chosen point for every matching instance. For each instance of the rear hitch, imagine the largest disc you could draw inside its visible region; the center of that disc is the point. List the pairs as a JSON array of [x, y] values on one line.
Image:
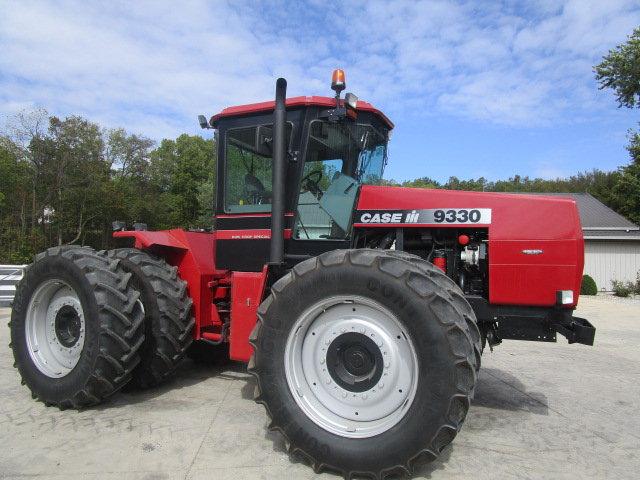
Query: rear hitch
[[576, 330]]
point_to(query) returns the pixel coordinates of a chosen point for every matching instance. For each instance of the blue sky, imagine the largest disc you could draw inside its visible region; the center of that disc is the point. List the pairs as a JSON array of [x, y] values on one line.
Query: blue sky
[[474, 88]]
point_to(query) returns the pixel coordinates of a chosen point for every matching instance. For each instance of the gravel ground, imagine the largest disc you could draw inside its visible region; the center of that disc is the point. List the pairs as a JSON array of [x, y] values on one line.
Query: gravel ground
[[606, 297], [542, 411]]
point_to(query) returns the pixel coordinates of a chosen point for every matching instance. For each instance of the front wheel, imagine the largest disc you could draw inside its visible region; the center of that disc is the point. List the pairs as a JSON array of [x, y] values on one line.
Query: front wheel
[[364, 362]]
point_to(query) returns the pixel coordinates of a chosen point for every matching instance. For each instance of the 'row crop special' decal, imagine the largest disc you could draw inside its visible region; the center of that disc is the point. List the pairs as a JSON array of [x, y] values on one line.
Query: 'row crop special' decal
[[442, 216]]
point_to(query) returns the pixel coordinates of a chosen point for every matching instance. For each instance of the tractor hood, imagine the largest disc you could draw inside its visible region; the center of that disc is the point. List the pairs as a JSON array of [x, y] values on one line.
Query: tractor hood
[[532, 238]]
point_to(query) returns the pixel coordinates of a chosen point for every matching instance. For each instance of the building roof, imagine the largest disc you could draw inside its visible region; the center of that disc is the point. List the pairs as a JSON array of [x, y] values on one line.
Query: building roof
[[599, 222]]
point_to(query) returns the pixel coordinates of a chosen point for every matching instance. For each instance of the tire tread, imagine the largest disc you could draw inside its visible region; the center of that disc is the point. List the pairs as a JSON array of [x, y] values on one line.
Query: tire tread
[[169, 335], [120, 336], [465, 342]]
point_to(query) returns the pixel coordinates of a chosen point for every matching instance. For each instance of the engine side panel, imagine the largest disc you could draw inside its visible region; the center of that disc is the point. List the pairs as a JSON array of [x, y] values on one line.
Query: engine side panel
[[535, 244]]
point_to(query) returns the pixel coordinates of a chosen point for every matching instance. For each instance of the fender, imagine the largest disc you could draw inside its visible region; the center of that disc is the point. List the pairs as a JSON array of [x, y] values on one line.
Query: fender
[[145, 240], [192, 253]]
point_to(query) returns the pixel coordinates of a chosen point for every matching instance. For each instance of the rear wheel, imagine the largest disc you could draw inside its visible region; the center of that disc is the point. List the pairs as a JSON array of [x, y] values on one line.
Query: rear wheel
[[364, 362], [168, 320], [76, 327]]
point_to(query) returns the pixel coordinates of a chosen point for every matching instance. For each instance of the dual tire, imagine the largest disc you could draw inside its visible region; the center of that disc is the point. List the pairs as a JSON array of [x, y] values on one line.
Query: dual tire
[[168, 315], [86, 323]]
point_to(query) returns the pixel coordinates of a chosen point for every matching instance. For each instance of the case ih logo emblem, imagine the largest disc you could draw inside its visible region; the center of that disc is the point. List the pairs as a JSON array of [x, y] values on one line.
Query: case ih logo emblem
[[446, 216]]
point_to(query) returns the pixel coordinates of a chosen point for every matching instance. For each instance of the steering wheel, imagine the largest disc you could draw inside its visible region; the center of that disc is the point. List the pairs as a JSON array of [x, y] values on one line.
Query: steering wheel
[[311, 183]]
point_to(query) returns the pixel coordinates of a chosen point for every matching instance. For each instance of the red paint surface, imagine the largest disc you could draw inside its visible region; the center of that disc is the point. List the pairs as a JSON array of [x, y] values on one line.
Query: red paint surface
[[193, 254], [519, 222], [295, 102], [247, 290]]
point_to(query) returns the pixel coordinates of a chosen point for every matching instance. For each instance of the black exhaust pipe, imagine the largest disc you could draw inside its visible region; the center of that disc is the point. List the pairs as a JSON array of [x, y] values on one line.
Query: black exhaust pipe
[[276, 254]]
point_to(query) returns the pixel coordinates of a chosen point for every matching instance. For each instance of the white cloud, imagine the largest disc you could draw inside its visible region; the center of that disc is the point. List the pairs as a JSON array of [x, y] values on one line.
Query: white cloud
[[152, 66]]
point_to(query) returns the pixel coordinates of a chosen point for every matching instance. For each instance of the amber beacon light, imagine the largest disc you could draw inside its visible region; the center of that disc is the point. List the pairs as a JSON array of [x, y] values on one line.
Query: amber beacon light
[[338, 83]]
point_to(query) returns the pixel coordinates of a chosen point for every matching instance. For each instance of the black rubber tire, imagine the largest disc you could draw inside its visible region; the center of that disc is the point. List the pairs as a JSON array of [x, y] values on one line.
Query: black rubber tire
[[168, 319], [458, 300], [206, 354], [113, 327], [424, 301]]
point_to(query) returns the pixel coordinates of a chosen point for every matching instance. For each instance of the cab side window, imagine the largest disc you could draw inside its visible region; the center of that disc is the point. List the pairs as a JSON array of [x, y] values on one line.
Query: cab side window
[[248, 153]]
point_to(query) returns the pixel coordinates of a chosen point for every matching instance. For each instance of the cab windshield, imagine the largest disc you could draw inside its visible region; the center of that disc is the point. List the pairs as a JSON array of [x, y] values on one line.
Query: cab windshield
[[340, 156], [361, 150]]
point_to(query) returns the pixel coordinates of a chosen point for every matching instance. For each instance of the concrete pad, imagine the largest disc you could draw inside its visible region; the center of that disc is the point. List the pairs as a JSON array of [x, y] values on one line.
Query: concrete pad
[[541, 410]]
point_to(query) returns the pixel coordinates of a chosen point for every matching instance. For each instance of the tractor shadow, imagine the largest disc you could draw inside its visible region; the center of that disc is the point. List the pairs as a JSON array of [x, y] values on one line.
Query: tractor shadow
[[500, 390], [496, 390], [187, 374]]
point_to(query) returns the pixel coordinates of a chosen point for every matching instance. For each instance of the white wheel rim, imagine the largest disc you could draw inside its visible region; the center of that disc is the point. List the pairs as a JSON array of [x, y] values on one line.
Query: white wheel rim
[[55, 328], [385, 394]]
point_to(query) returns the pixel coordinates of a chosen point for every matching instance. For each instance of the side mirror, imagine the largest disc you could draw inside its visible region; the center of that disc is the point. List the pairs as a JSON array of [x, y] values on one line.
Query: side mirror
[[202, 120]]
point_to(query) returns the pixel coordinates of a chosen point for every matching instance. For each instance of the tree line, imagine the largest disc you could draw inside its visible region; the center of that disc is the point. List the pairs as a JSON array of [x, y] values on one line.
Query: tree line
[[63, 181]]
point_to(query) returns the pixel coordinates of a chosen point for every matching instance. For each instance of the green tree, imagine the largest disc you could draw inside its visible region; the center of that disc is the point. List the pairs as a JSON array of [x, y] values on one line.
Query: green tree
[[15, 173], [76, 177], [183, 171], [628, 191], [423, 182], [128, 153], [620, 71], [133, 196]]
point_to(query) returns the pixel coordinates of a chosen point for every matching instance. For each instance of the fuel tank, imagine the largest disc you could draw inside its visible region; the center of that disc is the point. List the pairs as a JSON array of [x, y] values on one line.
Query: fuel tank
[[535, 244]]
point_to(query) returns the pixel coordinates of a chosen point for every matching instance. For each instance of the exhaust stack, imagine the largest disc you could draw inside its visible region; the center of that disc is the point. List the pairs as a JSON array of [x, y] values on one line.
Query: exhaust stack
[[276, 253]]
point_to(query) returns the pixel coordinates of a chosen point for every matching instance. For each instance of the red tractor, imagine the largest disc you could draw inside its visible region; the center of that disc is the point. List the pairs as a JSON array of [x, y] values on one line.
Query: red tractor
[[362, 310]]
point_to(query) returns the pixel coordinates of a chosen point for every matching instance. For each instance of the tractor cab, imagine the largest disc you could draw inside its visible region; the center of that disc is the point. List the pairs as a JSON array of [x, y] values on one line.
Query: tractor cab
[[331, 147]]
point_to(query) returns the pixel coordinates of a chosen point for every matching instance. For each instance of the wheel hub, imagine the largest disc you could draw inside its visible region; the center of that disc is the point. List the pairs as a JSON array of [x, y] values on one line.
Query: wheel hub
[[67, 326], [354, 362], [351, 366], [55, 328]]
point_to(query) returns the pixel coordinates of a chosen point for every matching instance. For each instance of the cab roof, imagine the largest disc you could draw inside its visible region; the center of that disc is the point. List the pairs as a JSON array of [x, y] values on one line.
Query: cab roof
[[327, 102]]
